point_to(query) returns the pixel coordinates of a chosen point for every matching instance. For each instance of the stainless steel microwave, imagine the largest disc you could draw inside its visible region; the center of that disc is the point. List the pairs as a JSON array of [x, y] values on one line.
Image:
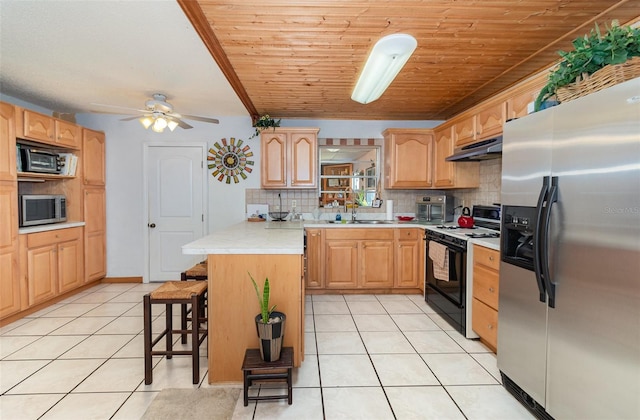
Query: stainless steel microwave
[[39, 160], [435, 208], [42, 209]]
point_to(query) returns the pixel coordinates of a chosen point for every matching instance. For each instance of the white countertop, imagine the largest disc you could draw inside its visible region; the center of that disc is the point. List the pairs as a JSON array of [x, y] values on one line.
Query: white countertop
[[51, 226], [491, 243], [251, 238], [287, 237]]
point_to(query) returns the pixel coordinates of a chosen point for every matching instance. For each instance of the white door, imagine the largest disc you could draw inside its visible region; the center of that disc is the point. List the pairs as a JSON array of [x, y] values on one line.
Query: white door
[[175, 190]]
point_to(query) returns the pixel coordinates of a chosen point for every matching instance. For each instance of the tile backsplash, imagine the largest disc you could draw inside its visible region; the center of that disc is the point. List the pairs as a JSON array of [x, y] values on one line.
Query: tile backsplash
[[403, 200]]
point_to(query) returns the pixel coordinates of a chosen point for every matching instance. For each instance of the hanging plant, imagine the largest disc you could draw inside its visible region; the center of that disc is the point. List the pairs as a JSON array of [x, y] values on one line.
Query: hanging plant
[[263, 123], [591, 53]]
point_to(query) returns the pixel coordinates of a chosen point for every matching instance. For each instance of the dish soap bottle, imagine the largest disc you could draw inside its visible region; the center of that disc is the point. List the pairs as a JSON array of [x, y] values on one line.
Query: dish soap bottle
[[338, 217]]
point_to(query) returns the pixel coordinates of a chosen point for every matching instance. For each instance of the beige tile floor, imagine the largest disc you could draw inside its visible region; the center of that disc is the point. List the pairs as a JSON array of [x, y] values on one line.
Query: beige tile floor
[[366, 357]]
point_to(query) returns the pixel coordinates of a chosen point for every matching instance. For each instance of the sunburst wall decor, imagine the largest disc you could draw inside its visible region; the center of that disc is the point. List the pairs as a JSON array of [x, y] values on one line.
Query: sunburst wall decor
[[230, 160]]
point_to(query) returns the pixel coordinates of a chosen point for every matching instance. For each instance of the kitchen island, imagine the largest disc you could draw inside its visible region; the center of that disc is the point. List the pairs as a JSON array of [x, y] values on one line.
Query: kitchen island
[[276, 253]]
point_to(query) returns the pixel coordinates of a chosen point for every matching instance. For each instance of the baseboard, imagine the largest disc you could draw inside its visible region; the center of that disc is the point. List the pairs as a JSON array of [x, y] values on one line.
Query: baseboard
[[137, 279], [40, 306]]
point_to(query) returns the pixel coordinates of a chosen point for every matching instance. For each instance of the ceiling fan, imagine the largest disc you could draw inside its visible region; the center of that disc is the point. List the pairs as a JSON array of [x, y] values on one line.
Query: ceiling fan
[[158, 114]]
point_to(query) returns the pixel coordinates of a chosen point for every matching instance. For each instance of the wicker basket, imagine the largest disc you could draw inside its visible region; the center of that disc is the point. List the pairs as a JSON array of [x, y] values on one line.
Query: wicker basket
[[605, 77]]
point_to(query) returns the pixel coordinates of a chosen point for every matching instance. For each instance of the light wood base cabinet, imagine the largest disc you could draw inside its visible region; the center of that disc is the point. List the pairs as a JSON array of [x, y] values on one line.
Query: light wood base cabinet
[[55, 263], [409, 262], [314, 275], [9, 284], [357, 260], [486, 280]]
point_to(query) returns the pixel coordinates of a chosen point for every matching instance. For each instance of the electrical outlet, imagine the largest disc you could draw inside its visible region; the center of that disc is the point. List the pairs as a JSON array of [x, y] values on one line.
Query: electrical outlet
[[293, 203]]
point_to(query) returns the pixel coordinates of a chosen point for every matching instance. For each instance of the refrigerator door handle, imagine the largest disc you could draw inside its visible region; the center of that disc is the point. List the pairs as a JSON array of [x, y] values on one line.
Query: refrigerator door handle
[[537, 240], [552, 197]]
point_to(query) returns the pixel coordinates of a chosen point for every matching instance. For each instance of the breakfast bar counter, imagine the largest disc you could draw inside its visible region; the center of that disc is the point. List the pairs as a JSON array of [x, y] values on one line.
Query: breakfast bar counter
[[274, 252]]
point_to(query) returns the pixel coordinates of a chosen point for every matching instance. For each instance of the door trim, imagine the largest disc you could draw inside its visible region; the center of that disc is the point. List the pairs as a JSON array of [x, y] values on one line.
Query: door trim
[[145, 193]]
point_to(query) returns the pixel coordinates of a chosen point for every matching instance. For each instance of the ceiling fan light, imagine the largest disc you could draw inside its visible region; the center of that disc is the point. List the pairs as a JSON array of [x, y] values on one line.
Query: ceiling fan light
[[146, 121], [386, 60], [159, 125], [172, 125]]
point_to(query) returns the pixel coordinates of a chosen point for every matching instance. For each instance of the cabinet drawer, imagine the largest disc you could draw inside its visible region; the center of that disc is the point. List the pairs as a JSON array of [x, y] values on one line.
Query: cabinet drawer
[[485, 285], [359, 233], [35, 240], [408, 234], [485, 322], [486, 256]]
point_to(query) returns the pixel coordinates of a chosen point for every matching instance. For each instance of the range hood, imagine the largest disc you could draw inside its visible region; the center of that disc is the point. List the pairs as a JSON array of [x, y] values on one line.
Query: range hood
[[482, 150]]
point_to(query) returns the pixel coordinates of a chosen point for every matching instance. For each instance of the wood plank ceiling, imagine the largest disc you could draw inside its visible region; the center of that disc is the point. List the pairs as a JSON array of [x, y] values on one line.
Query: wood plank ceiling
[[301, 59]]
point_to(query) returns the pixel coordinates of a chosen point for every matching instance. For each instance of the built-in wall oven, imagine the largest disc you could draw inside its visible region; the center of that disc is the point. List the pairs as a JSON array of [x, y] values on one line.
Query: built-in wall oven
[[448, 296]]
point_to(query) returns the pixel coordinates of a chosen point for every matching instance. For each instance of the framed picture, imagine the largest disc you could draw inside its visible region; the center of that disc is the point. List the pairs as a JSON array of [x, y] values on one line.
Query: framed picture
[[333, 182], [370, 173]]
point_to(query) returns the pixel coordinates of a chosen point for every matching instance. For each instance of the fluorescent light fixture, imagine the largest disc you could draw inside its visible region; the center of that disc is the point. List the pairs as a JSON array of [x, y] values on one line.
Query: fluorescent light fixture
[[386, 60]]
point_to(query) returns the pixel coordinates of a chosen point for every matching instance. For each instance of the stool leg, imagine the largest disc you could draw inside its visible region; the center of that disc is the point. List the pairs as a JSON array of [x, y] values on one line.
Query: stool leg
[[169, 328], [289, 386], [246, 388], [183, 322], [195, 338], [148, 359]]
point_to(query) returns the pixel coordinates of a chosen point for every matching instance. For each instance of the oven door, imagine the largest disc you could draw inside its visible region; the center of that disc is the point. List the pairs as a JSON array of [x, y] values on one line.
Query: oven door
[[454, 289]]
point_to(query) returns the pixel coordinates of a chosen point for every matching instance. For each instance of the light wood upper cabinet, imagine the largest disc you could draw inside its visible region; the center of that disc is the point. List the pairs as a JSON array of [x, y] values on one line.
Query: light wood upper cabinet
[[7, 142], [93, 166], [452, 174], [68, 134], [9, 273], [289, 158], [36, 126], [45, 129], [489, 121], [408, 156], [485, 123]]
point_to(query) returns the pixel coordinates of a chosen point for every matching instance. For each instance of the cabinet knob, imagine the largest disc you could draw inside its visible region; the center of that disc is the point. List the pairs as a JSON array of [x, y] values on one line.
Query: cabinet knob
[[491, 258], [151, 225], [490, 326], [491, 289]]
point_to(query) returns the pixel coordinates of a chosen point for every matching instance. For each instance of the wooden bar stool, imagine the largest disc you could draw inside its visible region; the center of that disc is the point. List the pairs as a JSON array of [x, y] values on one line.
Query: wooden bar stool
[[197, 272], [175, 292]]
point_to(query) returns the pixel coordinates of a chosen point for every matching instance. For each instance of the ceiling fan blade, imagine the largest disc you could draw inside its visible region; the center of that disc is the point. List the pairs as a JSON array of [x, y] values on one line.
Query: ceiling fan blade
[[182, 124], [203, 119], [135, 117]]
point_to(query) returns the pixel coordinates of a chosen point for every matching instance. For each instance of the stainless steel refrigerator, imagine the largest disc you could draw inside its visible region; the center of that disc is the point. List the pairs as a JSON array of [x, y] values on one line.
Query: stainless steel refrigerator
[[569, 298]]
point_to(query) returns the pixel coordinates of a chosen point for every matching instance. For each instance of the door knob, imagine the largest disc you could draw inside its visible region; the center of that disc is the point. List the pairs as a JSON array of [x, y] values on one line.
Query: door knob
[[151, 225]]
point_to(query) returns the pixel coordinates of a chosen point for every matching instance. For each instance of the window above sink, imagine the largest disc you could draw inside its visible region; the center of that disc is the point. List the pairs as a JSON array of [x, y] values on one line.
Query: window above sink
[[348, 174]]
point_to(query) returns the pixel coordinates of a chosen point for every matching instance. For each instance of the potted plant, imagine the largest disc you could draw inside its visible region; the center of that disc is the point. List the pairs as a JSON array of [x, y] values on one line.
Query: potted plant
[[591, 53], [263, 123], [269, 324]]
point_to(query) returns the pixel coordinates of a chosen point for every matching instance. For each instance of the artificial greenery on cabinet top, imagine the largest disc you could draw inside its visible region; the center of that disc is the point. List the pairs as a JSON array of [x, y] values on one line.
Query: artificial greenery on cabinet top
[[591, 53]]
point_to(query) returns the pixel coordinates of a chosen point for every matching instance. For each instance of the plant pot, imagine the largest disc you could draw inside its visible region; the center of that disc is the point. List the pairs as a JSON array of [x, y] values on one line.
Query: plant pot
[[271, 336]]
